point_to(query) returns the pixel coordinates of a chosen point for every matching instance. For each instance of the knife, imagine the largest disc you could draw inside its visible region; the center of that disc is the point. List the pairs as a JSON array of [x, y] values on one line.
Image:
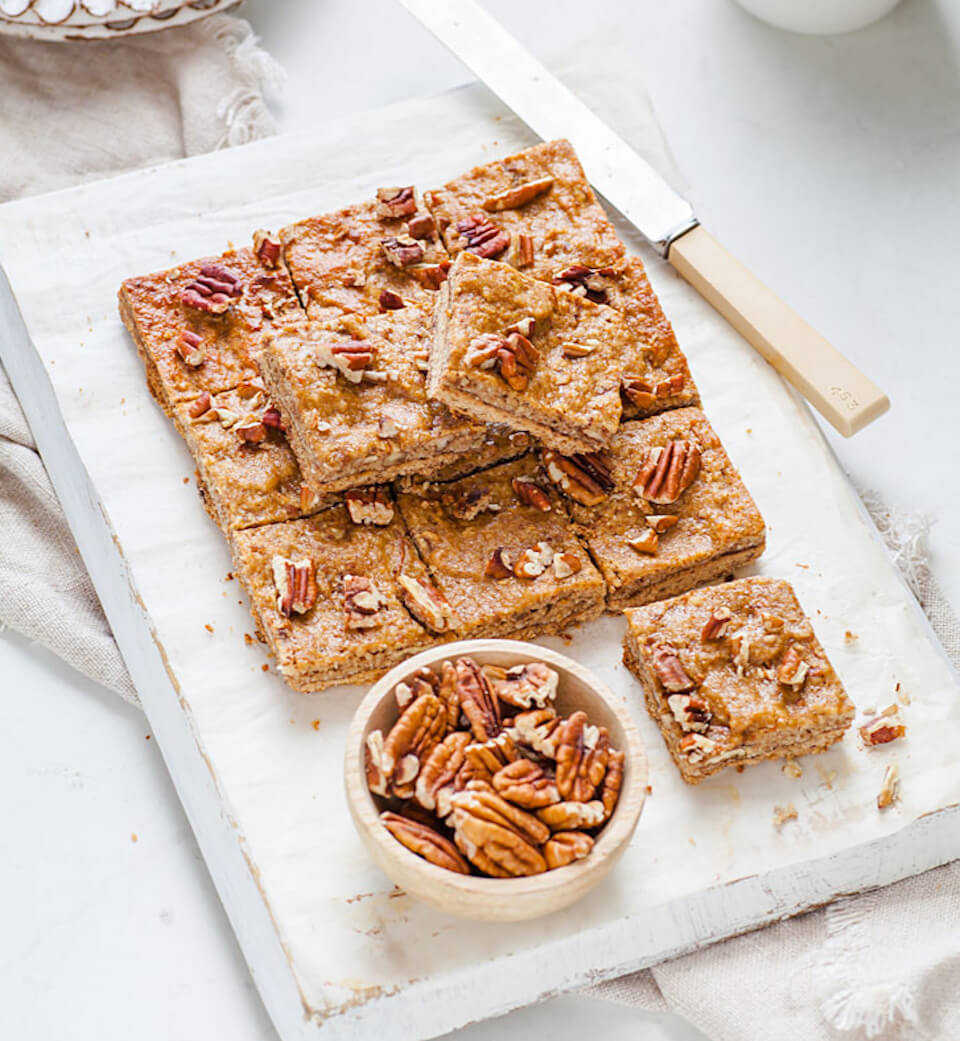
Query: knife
[[842, 394]]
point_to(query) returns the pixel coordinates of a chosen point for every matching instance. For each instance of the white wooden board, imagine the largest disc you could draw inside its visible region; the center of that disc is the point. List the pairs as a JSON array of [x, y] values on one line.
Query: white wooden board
[[335, 950]]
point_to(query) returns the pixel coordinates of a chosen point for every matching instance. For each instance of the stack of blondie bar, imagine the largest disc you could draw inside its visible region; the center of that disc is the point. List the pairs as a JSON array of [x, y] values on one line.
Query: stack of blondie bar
[[455, 414]]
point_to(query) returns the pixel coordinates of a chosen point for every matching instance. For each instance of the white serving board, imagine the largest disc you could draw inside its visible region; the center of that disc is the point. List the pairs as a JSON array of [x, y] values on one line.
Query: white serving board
[[334, 949]]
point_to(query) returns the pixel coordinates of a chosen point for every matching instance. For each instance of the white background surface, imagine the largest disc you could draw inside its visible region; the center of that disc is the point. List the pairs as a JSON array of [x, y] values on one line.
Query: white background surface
[[828, 165]]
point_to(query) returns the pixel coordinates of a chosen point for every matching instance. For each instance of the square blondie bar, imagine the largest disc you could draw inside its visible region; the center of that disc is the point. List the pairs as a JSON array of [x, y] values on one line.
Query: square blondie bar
[[502, 551], [662, 509], [509, 349], [338, 601], [353, 395], [733, 674]]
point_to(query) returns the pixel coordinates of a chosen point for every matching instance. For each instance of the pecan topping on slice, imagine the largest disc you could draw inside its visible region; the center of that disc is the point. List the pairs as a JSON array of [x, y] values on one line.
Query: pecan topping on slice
[[579, 350], [500, 564], [517, 359], [537, 729], [533, 561], [565, 565], [402, 250], [425, 842], [373, 763], [386, 428], [661, 522], [370, 505], [565, 847], [645, 395], [690, 712], [884, 728], [468, 501], [612, 783], [191, 350], [426, 603], [531, 494], [421, 727], [423, 226], [526, 784], [517, 196], [483, 351], [431, 276], [648, 541], [591, 282], [482, 236], [666, 473], [251, 430], [793, 669], [522, 250], [308, 498], [271, 418], [362, 602], [696, 747], [213, 290], [584, 477], [582, 753], [476, 700], [350, 358], [715, 627], [266, 247], [390, 301], [889, 787], [533, 685], [570, 816], [670, 671], [200, 406], [525, 326], [393, 203], [439, 771], [296, 584]]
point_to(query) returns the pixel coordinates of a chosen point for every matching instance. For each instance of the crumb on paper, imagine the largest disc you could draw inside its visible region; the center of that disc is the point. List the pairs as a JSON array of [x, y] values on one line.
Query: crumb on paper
[[782, 814], [208, 627], [247, 639], [806, 567], [740, 768], [850, 637], [750, 430], [887, 726], [264, 667], [133, 837], [692, 841], [315, 724], [889, 787], [649, 789], [792, 768], [146, 737], [229, 577], [827, 777], [186, 480]]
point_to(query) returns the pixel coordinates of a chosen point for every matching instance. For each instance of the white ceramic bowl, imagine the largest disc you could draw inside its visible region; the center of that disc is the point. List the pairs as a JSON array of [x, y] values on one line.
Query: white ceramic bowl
[[819, 16]]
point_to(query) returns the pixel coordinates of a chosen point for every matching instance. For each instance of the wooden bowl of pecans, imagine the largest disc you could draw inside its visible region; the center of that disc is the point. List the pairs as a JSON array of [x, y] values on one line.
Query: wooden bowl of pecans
[[494, 779]]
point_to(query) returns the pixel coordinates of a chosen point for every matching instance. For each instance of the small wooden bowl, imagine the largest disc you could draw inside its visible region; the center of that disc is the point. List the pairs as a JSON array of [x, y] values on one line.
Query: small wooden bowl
[[499, 899]]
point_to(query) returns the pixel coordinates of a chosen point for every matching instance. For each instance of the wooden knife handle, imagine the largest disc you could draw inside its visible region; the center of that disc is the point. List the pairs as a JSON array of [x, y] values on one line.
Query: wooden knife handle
[[835, 387]]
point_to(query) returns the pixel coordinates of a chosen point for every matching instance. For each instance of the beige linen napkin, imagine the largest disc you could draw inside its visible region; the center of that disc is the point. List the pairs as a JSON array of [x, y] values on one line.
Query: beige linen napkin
[[884, 965]]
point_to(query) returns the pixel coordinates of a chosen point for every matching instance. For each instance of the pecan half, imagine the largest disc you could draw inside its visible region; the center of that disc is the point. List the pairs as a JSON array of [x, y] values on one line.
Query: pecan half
[[584, 477], [494, 849], [793, 670], [517, 196], [465, 502], [884, 728], [481, 801], [612, 783], [373, 763], [423, 681], [533, 561], [200, 406], [571, 816], [267, 248], [715, 627], [371, 505], [402, 250], [485, 758], [670, 672], [438, 772], [538, 730], [591, 282], [526, 784], [362, 602], [393, 203], [425, 842], [350, 358], [500, 564], [390, 301], [423, 226], [477, 701], [296, 584], [582, 753], [667, 472], [564, 847], [532, 685], [421, 727], [213, 290], [517, 359], [482, 236], [565, 565], [190, 349], [648, 541], [690, 712], [531, 494], [426, 603], [448, 693]]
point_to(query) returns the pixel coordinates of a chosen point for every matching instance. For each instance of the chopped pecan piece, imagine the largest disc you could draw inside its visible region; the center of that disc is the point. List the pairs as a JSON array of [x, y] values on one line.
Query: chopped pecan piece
[[793, 670], [251, 430], [645, 395], [373, 763], [421, 727], [648, 541], [591, 282], [696, 747], [670, 671], [715, 627], [532, 685], [350, 357], [690, 712], [423, 226], [526, 784], [482, 236], [522, 250], [565, 565], [662, 522], [425, 842], [517, 359], [531, 494], [431, 276], [362, 602], [564, 847], [213, 290], [468, 501], [889, 787], [533, 561], [582, 753], [296, 584], [386, 428], [426, 603], [584, 477], [579, 350], [612, 783], [439, 770], [476, 700], [394, 203], [402, 250], [571, 816], [271, 418], [783, 814], [517, 196], [483, 351], [200, 406], [537, 729], [371, 505], [267, 248], [667, 472], [190, 349], [525, 326], [884, 728], [500, 565], [308, 498], [390, 301]]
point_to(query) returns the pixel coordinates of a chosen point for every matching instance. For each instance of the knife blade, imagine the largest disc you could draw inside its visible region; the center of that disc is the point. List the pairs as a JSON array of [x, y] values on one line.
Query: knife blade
[[831, 383]]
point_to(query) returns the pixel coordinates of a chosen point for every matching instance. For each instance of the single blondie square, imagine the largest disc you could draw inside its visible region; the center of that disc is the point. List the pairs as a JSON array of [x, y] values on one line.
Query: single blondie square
[[502, 551], [353, 396], [247, 473], [372, 257], [509, 349], [200, 326], [734, 674], [534, 210], [663, 509], [338, 601]]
